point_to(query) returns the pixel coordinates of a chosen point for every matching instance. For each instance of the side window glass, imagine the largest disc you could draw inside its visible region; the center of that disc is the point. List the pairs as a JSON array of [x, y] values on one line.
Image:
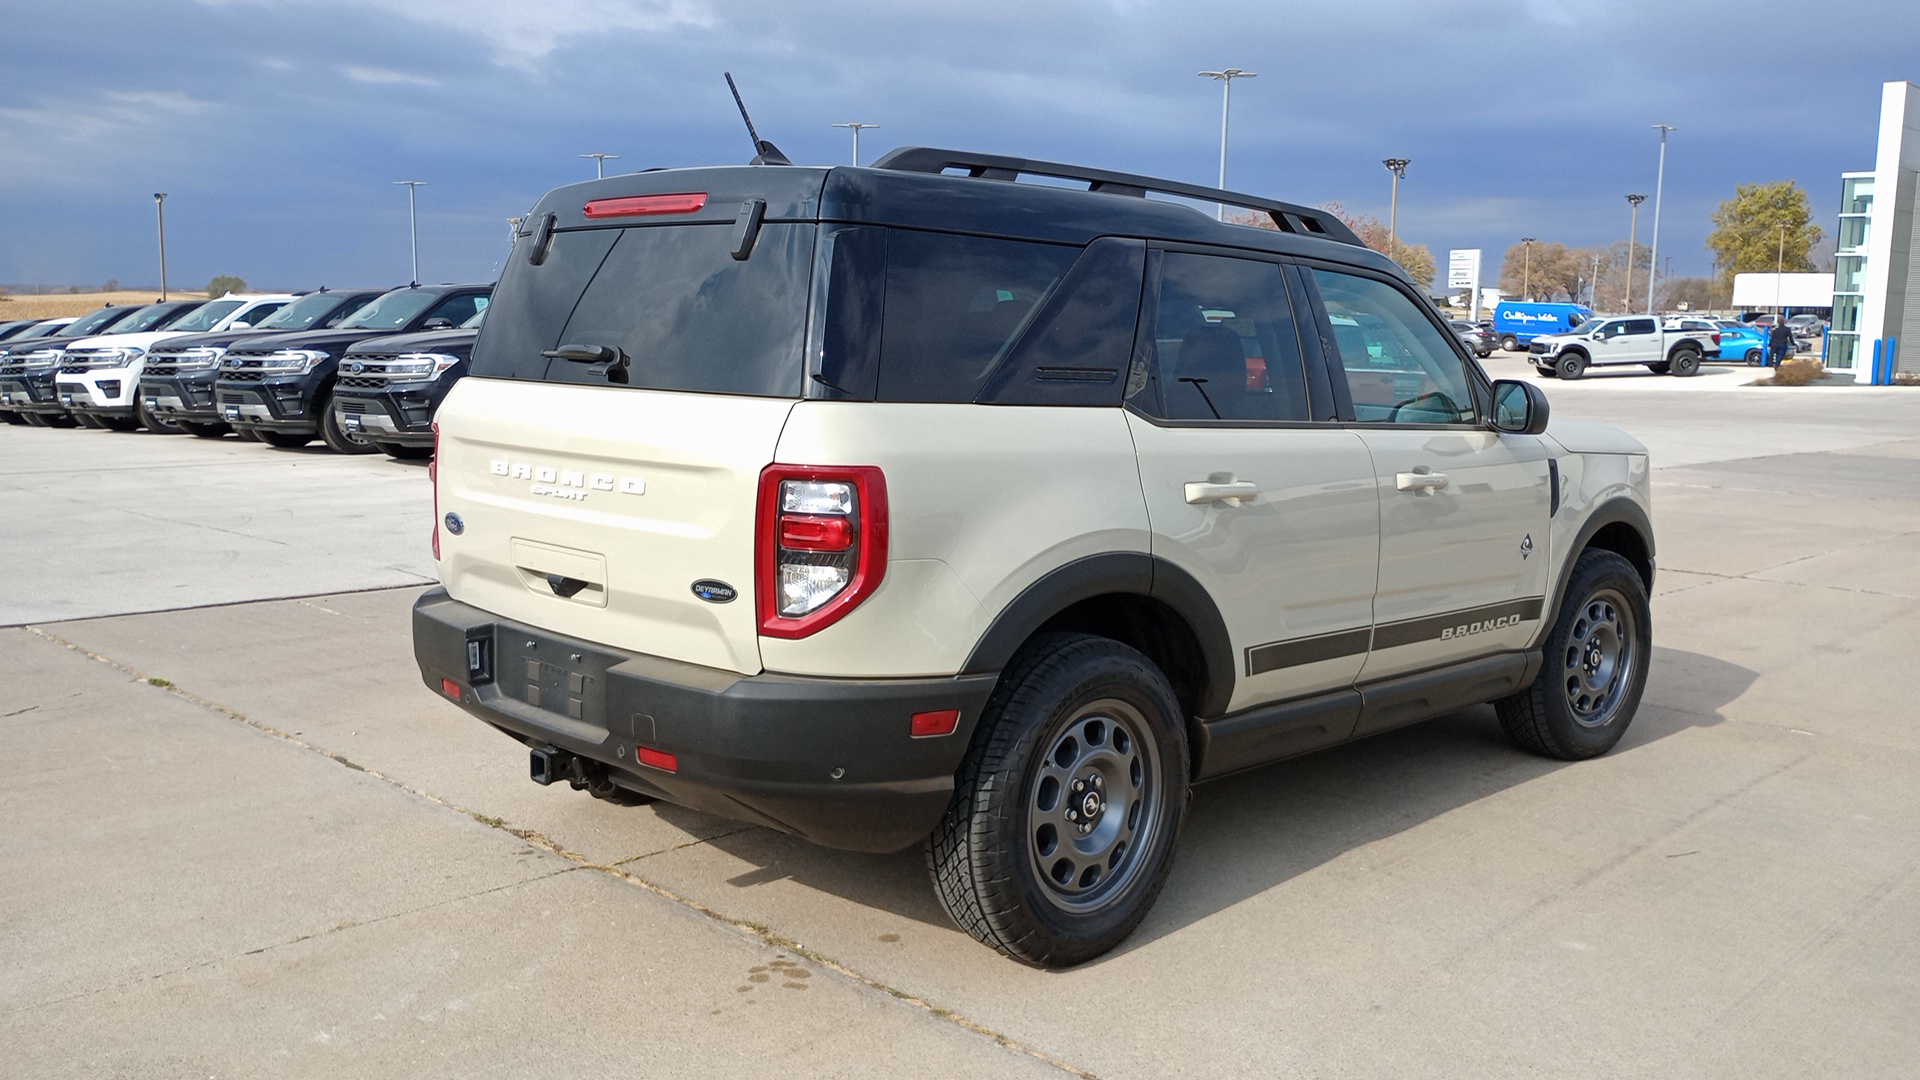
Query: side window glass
[[1399, 368], [1641, 326], [1224, 345], [456, 309], [953, 306]]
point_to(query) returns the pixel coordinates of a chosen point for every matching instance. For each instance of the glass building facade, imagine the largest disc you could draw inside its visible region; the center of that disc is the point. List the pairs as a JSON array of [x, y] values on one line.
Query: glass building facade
[[1849, 269]]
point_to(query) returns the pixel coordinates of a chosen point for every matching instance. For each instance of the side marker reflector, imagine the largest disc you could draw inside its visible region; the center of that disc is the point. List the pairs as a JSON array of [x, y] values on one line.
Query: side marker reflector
[[657, 759], [450, 688], [926, 725]]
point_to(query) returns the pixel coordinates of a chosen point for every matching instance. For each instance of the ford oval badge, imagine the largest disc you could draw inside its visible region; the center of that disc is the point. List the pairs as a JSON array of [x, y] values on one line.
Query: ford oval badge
[[454, 524], [714, 592]]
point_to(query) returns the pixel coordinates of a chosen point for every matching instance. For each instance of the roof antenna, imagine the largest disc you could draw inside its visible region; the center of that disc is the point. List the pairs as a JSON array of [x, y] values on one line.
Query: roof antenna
[[764, 152]]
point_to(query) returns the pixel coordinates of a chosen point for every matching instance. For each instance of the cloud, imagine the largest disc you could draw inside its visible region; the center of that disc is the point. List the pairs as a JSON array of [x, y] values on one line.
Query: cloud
[[381, 75]]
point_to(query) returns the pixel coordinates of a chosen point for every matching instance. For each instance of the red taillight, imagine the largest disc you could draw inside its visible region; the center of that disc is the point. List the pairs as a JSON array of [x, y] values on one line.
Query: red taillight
[[451, 689], [433, 476], [642, 205], [924, 725], [815, 532], [656, 759], [1716, 337], [820, 544]]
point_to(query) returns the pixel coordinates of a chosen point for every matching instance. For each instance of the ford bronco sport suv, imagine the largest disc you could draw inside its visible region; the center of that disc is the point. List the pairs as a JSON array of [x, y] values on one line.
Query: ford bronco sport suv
[[280, 388], [177, 384], [921, 503]]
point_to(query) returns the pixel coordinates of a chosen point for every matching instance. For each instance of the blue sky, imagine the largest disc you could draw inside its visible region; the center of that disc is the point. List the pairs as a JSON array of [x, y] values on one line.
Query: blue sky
[[277, 126]]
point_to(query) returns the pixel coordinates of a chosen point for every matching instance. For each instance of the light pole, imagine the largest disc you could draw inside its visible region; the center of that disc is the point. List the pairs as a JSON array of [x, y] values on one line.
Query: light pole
[[1779, 265], [1526, 267], [600, 163], [1398, 167], [1226, 77], [1633, 234], [160, 211], [1659, 181], [413, 228], [858, 126]]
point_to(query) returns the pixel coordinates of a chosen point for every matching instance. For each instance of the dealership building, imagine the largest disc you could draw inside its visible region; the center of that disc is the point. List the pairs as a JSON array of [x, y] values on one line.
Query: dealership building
[[1876, 279]]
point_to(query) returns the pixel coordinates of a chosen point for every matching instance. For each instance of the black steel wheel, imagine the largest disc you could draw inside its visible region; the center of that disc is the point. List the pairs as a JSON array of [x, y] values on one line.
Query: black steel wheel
[[1594, 668], [1755, 357], [1686, 362], [1064, 817], [1571, 365]]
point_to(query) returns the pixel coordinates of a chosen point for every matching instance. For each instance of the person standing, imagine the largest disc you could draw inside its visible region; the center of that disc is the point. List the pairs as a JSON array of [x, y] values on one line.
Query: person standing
[[1779, 343]]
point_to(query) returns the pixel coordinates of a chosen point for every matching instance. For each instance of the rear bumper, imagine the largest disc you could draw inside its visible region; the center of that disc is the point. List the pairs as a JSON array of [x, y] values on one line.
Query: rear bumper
[[830, 760]]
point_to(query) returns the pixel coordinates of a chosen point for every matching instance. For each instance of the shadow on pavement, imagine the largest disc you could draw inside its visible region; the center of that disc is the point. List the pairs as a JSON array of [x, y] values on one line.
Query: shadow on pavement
[[1252, 831]]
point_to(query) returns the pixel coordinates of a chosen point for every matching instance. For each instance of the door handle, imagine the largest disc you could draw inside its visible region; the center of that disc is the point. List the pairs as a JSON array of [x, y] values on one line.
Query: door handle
[[1420, 481], [1206, 491]]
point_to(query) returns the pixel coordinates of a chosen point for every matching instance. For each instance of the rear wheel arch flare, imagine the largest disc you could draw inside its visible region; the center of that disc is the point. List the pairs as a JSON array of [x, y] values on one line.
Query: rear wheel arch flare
[[1130, 597]]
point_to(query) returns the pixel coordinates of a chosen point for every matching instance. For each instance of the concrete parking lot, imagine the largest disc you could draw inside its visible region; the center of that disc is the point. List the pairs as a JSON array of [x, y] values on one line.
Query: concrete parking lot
[[240, 838]]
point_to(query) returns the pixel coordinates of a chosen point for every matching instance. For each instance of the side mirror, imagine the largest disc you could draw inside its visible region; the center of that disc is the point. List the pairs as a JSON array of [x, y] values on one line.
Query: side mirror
[[437, 324], [241, 325], [1519, 408]]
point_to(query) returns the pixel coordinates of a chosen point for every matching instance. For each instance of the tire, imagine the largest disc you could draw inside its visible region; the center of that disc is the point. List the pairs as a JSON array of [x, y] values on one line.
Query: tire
[[1686, 363], [204, 431], [33, 419], [154, 423], [1659, 367], [89, 421], [285, 440], [1595, 664], [404, 452], [249, 434], [1571, 365], [1015, 860], [1755, 358], [1510, 343], [336, 437], [120, 423], [1545, 372], [13, 418]]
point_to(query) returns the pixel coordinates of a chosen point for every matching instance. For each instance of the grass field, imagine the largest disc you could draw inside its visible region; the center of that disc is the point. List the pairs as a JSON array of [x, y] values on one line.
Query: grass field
[[55, 305]]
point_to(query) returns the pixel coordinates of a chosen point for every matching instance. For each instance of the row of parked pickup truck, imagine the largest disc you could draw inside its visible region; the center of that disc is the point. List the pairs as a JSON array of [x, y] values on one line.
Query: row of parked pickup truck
[[361, 369]]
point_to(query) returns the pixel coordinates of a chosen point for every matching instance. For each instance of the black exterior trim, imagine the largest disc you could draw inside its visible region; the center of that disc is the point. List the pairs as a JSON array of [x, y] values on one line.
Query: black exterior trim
[[1406, 699], [1309, 650], [1433, 627], [832, 760], [1135, 573]]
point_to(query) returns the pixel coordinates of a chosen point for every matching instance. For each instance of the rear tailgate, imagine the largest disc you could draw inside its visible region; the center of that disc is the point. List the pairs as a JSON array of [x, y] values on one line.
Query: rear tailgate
[[591, 512]]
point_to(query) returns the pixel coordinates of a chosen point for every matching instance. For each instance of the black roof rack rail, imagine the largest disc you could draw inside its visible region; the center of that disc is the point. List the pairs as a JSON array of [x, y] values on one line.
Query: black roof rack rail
[[1288, 217]]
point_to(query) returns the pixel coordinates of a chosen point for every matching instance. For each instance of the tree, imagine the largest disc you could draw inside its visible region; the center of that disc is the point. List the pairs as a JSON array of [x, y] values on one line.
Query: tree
[[112, 285], [1697, 293], [1415, 259], [224, 284], [1763, 227]]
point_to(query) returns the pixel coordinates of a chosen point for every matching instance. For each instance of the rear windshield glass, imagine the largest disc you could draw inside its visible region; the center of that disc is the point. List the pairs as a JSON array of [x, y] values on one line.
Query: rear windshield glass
[[670, 304]]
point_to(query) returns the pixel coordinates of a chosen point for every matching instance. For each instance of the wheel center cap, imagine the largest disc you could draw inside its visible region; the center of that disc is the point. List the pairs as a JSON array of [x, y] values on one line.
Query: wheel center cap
[[1091, 804]]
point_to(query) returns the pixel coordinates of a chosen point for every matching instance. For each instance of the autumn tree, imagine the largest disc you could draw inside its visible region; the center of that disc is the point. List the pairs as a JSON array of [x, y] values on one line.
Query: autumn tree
[[1697, 293], [1764, 227], [226, 283], [1415, 259]]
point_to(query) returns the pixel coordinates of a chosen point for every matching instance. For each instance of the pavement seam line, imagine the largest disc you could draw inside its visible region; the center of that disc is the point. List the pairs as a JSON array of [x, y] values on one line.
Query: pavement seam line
[[763, 934]]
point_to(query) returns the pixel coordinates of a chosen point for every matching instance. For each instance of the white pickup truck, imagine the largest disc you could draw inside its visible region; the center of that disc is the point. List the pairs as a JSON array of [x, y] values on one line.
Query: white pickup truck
[[1622, 339]]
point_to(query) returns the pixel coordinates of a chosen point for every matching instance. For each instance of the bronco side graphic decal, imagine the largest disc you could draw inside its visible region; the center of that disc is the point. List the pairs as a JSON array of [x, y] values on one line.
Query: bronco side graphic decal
[[1454, 624]]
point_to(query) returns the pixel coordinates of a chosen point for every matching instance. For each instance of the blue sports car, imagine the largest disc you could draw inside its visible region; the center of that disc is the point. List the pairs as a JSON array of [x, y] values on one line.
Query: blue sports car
[[1741, 341]]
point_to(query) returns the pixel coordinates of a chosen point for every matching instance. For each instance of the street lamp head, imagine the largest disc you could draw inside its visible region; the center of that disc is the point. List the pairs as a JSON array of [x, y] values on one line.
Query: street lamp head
[[1526, 239], [1228, 74], [159, 196], [1397, 166], [1665, 128], [1636, 199]]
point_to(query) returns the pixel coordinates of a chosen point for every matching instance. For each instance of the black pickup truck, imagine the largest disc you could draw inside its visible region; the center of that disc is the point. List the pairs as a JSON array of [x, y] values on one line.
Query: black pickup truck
[[177, 385], [388, 388], [280, 388]]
